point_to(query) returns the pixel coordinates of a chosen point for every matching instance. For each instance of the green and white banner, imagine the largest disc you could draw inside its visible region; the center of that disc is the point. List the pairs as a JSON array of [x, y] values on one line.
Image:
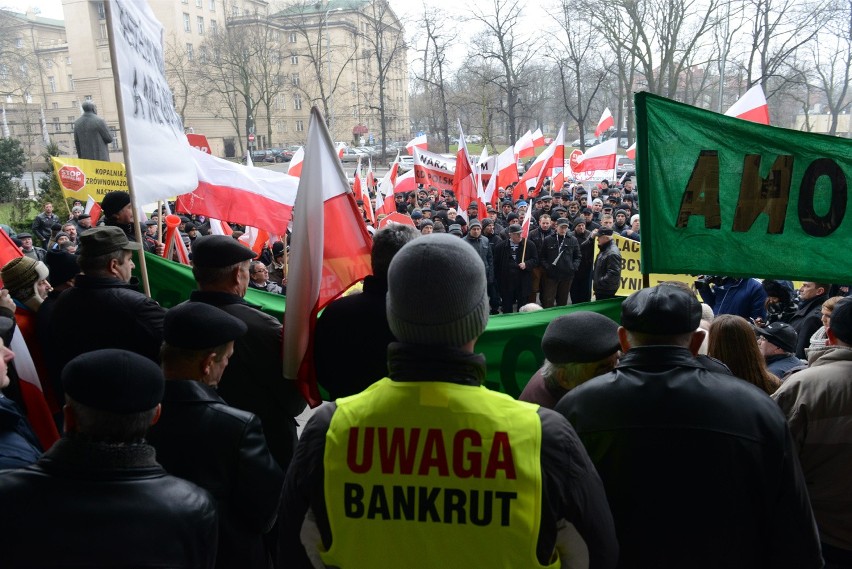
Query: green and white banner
[[724, 196]]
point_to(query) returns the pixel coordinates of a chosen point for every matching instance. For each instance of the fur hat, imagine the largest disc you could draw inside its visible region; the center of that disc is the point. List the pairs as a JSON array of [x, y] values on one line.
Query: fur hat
[[418, 271], [20, 276]]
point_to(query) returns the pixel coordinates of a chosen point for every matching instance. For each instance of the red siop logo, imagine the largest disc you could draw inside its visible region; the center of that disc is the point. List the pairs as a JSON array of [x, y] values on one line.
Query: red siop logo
[[72, 178]]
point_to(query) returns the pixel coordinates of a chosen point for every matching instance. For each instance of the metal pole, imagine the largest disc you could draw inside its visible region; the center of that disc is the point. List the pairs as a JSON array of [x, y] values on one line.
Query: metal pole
[[328, 62]]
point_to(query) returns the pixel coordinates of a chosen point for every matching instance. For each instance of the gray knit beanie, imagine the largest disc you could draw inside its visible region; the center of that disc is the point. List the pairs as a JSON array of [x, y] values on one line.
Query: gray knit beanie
[[443, 267]]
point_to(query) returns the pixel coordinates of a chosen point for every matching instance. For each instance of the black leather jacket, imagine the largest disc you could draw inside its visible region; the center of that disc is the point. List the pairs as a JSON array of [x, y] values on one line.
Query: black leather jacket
[[223, 450], [94, 505], [699, 467]]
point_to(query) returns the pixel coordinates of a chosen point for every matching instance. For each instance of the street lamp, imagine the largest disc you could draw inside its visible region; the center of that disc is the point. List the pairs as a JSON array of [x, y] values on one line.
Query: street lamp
[[328, 63]]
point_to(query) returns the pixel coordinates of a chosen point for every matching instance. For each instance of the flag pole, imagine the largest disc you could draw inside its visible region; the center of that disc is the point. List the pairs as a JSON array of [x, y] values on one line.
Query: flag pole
[[159, 222], [143, 266]]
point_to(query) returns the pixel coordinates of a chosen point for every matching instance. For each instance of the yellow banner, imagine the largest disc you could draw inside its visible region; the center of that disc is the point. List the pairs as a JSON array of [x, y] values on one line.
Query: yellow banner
[[631, 268], [81, 179]]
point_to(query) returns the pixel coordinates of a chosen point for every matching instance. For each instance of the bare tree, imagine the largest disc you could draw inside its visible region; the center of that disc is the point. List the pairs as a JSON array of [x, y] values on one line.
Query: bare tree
[[440, 35], [581, 66], [832, 56], [384, 46], [310, 25], [182, 73], [503, 43]]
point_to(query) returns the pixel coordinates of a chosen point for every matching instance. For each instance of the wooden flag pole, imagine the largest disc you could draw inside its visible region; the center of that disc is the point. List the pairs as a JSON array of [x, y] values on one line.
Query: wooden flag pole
[[143, 266]]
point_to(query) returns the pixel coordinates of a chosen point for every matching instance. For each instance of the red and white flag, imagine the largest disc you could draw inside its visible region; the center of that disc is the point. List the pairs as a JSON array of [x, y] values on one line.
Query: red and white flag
[[329, 251], [751, 106], [525, 146], [464, 181], [384, 193], [525, 225], [553, 156], [219, 227], [631, 152], [259, 197], [606, 122], [431, 169], [254, 239], [341, 147], [538, 138], [93, 208], [295, 166], [507, 168], [420, 142], [405, 183], [600, 157], [398, 218]]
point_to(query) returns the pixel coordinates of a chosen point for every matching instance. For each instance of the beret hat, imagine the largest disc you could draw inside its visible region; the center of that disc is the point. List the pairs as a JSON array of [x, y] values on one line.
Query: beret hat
[[196, 326], [662, 310], [114, 202], [112, 380], [216, 251], [581, 337]]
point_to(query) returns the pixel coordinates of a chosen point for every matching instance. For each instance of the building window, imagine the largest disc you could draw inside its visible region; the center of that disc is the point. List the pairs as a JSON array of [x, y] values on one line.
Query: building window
[[295, 80], [88, 98], [235, 11], [19, 43], [280, 103], [200, 21], [186, 26], [70, 82], [52, 82], [294, 59], [56, 127], [292, 37], [300, 126], [213, 27], [48, 63], [74, 104], [198, 3], [297, 102], [212, 5], [68, 60], [103, 30], [55, 105], [189, 53], [101, 11], [184, 1]]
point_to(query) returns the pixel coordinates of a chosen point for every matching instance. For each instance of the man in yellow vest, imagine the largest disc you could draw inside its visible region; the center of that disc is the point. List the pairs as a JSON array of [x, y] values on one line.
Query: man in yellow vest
[[427, 468]]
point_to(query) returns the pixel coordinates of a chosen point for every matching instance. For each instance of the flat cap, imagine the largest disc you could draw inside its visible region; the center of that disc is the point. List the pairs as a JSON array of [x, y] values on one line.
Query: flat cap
[[580, 337], [25, 235], [781, 334], [514, 228], [104, 240], [604, 231], [216, 251], [425, 222], [112, 380], [663, 310], [455, 229], [563, 221], [196, 326]]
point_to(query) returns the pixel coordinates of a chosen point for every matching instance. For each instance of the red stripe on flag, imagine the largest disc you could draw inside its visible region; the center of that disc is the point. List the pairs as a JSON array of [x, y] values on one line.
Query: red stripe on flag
[[237, 206]]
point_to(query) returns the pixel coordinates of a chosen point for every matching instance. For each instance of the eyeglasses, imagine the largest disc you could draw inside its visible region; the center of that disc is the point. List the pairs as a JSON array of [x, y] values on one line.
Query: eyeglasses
[[260, 271]]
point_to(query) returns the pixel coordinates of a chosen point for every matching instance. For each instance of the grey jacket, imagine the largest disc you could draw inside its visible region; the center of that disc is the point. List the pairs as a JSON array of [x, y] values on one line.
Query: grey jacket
[[818, 405]]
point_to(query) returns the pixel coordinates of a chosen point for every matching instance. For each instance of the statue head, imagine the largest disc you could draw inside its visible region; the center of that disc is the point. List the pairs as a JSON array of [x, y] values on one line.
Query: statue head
[[89, 107]]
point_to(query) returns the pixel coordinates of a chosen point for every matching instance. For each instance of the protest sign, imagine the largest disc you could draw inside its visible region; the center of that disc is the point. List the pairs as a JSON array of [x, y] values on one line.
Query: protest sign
[[81, 179]]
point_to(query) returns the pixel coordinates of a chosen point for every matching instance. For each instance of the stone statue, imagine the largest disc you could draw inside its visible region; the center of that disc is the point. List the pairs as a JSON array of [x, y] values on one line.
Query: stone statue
[[91, 135]]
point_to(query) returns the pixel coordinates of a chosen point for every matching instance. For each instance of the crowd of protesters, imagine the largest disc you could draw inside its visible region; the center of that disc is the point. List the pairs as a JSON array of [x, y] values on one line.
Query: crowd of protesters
[[707, 430]]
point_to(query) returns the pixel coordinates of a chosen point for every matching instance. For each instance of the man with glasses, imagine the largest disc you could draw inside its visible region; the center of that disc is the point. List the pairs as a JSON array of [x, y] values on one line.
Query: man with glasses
[[260, 278]]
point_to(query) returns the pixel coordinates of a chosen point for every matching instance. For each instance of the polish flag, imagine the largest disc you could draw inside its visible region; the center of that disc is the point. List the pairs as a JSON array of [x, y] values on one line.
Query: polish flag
[[553, 156], [600, 157], [631, 152], [525, 225], [525, 146], [295, 166], [464, 182], [405, 183], [254, 239], [93, 208], [329, 251], [384, 193], [257, 197], [538, 138], [219, 227], [751, 106], [341, 146], [398, 218], [507, 168], [418, 142], [8, 250], [605, 123]]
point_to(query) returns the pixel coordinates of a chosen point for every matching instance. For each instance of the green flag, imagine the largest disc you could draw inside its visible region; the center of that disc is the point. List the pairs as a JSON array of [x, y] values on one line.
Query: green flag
[[511, 343], [724, 196]]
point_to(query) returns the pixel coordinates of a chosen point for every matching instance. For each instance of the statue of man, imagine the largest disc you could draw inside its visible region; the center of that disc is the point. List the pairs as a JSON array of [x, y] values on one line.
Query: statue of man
[[91, 135]]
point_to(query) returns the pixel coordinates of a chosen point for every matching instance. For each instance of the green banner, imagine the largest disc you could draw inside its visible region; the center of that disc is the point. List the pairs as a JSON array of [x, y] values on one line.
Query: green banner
[[511, 343], [724, 196]]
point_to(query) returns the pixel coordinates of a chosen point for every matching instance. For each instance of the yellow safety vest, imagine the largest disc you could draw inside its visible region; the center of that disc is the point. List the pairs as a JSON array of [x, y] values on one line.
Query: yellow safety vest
[[433, 474]]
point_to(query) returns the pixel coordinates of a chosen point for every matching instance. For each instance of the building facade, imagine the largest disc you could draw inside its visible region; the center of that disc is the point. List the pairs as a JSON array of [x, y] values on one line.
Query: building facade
[[241, 75]]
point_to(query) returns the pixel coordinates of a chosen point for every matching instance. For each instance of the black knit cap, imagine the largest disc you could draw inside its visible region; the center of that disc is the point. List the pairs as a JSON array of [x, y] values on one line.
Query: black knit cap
[[841, 321], [216, 251], [63, 267], [112, 380], [114, 202], [663, 310], [580, 337], [196, 326]]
